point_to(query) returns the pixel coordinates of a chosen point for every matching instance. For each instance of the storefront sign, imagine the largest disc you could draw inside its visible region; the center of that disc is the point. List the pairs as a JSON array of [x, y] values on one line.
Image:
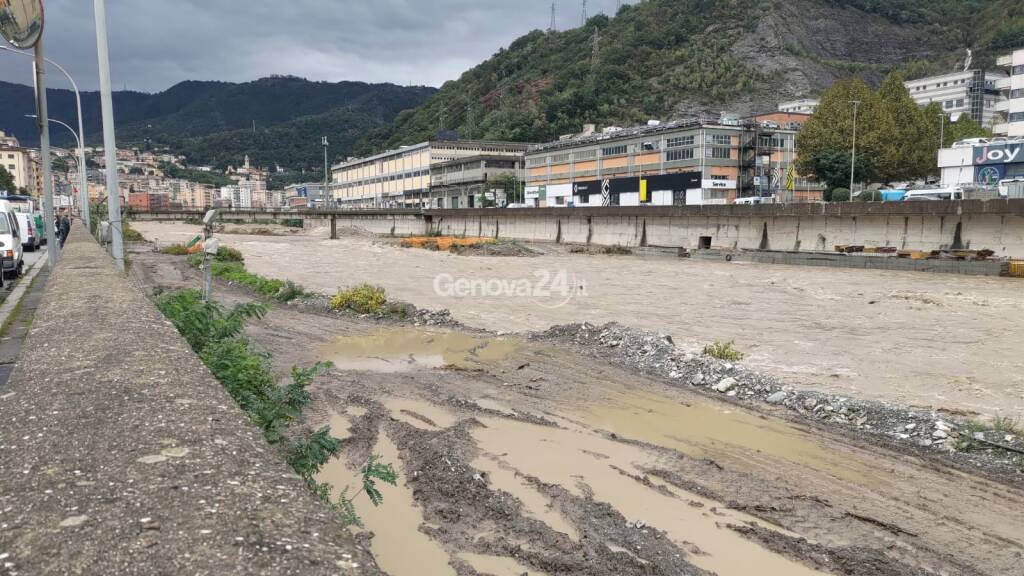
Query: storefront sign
[[1003, 154], [719, 184]]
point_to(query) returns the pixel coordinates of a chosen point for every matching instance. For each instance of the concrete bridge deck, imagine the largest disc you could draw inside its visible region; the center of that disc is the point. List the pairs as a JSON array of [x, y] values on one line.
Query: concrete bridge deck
[[121, 454]]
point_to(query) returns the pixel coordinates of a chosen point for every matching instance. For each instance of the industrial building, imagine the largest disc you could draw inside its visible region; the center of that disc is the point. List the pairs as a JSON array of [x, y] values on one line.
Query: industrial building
[[695, 161], [402, 178], [476, 181]]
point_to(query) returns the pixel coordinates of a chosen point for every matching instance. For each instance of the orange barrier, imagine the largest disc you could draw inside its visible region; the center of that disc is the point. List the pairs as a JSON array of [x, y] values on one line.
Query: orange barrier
[[443, 242]]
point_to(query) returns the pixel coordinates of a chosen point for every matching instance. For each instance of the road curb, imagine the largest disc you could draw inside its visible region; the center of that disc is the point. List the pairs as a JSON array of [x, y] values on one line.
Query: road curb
[[19, 291]]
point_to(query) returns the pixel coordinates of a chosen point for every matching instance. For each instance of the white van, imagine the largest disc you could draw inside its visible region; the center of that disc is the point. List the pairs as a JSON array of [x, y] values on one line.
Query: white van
[[30, 240], [11, 250]]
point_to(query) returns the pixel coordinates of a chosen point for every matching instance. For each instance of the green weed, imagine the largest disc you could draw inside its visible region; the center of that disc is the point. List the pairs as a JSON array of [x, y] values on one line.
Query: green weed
[[364, 299], [215, 334], [723, 351], [175, 250]]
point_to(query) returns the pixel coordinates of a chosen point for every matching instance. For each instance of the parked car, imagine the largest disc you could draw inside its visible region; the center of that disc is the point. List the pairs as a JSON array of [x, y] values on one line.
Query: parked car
[[30, 240], [11, 249]]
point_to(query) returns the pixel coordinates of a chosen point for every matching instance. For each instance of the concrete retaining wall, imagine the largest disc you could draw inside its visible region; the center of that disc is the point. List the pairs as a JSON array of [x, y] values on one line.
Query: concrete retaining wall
[[980, 268], [996, 225], [121, 454]]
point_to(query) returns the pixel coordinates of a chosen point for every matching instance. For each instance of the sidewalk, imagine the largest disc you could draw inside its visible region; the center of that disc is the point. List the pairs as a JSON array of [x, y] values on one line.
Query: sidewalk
[[16, 315]]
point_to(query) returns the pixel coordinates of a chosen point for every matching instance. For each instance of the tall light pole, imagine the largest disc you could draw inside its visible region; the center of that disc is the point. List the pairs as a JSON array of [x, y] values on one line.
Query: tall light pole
[[853, 154], [326, 171], [109, 139], [81, 165], [21, 24], [81, 141]]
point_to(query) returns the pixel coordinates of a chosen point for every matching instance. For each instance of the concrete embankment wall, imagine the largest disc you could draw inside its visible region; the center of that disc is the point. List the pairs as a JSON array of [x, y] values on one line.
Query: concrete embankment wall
[[996, 225], [993, 225], [121, 454]]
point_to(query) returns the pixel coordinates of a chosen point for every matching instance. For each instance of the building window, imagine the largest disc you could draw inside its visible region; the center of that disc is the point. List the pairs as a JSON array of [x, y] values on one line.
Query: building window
[[585, 155], [960, 103], [721, 153], [560, 158], [1016, 117], [679, 142], [721, 139], [536, 161], [613, 150], [1017, 93], [1017, 70], [650, 146], [675, 155]]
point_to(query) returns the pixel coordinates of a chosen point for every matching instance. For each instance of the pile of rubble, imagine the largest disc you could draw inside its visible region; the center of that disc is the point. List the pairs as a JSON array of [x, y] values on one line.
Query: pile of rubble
[[656, 354]]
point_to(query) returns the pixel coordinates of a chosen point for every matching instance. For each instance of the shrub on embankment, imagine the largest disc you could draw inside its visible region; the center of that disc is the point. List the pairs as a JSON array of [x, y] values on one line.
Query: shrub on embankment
[[215, 334], [229, 265]]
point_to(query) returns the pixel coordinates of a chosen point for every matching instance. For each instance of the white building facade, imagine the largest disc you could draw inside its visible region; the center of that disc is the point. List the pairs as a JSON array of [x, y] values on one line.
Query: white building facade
[[972, 92], [805, 106], [1011, 87]]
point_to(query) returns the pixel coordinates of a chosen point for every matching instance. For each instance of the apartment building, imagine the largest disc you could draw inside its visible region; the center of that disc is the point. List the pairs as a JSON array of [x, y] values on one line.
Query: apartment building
[[474, 181], [698, 161], [19, 162], [402, 177], [1011, 88]]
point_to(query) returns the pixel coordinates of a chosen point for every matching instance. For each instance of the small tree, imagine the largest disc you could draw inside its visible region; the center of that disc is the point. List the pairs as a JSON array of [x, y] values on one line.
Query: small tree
[[840, 195], [512, 187], [6, 181], [833, 168]]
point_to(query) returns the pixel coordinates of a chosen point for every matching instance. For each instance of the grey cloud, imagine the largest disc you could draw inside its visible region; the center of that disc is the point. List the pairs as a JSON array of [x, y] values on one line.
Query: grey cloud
[[155, 44]]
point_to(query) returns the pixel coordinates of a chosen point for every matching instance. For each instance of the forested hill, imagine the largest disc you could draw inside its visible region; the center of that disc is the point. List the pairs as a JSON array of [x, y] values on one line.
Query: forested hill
[[213, 122], [662, 58]]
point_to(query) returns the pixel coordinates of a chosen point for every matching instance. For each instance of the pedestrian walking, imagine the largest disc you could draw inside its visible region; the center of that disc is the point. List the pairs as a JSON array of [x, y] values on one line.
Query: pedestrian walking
[[65, 229]]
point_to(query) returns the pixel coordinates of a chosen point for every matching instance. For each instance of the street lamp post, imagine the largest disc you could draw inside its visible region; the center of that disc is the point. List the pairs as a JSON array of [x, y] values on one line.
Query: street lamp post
[[853, 154], [81, 141], [326, 172], [109, 138], [942, 130], [21, 24], [78, 140]]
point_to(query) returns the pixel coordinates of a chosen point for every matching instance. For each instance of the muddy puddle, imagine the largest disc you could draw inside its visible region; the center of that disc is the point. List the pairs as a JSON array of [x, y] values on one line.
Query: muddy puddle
[[398, 545], [717, 432], [407, 349], [586, 462]]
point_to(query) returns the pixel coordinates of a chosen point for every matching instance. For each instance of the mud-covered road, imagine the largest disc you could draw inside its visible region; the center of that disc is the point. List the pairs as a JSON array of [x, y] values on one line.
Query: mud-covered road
[[531, 456], [930, 340]]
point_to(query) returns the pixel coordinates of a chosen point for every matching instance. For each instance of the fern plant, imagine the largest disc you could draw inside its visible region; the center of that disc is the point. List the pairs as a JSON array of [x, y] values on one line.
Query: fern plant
[[371, 472]]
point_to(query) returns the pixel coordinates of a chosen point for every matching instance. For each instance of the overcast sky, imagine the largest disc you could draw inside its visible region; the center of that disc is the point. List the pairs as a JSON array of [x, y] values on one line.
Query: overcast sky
[[155, 44]]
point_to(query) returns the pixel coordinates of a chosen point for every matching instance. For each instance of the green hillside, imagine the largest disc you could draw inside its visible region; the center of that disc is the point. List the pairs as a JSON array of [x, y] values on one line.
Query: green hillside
[[663, 58]]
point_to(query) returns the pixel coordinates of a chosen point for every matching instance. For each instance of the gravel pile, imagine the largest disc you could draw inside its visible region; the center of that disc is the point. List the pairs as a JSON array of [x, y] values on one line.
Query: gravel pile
[[656, 354]]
